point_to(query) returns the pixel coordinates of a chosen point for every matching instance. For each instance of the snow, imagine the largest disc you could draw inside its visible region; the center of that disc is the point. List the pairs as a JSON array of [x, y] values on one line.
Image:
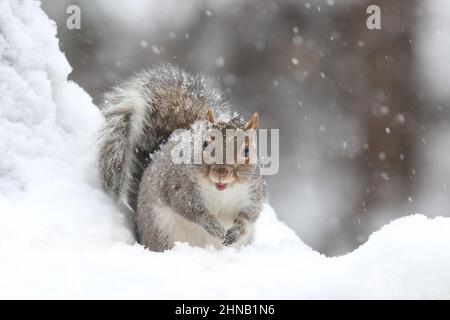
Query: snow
[[62, 237]]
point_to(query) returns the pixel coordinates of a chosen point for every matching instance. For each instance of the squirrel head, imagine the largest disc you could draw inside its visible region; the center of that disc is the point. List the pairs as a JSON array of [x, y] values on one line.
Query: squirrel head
[[229, 152]]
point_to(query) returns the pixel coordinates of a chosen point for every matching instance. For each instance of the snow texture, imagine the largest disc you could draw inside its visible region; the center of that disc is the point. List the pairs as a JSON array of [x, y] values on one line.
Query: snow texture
[[62, 237]]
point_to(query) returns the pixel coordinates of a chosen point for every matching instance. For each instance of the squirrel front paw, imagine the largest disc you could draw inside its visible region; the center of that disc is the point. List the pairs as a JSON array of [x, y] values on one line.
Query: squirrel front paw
[[215, 228], [233, 234]]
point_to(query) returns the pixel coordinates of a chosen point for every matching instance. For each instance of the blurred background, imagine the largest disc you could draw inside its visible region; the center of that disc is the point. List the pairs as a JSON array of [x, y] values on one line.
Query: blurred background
[[363, 114]]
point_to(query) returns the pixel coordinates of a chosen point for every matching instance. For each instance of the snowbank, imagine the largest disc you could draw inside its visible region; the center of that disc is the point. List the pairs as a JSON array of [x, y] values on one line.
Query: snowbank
[[61, 237]]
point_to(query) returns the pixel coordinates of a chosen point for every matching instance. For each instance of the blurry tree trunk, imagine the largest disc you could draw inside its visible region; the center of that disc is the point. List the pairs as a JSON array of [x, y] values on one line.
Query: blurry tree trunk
[[378, 87]]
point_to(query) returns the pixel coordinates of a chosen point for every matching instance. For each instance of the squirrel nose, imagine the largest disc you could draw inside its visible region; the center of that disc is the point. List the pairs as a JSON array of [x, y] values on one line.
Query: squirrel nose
[[222, 171]]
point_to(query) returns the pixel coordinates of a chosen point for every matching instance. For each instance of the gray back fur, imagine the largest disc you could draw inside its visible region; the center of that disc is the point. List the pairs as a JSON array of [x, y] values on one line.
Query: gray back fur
[[140, 114]]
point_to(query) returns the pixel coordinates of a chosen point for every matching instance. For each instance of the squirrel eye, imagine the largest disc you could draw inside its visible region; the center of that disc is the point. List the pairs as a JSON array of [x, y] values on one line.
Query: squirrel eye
[[205, 144], [246, 151]]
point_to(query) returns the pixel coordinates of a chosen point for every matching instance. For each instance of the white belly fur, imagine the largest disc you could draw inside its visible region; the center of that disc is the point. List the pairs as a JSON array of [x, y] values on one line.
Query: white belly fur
[[225, 205]]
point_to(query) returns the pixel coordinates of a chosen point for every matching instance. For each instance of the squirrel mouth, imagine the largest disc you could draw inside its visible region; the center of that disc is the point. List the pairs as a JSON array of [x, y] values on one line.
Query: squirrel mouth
[[221, 186]]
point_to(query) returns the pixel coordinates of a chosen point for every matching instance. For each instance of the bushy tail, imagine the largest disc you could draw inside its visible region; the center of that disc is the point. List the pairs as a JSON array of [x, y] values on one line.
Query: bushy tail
[[118, 157], [140, 114]]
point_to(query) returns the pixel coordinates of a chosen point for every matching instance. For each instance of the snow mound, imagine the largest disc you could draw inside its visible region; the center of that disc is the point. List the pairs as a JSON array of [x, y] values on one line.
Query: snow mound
[[47, 124], [62, 237]]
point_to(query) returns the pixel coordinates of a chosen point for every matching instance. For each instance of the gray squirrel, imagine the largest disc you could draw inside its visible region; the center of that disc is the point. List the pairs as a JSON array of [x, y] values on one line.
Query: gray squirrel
[[201, 204]]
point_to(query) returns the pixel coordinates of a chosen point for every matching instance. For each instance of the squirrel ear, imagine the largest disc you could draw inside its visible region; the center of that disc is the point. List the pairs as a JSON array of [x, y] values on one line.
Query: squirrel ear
[[253, 123], [210, 115]]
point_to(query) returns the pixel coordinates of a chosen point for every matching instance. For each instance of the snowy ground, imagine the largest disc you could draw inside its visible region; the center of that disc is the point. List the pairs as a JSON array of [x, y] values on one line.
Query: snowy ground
[[61, 237]]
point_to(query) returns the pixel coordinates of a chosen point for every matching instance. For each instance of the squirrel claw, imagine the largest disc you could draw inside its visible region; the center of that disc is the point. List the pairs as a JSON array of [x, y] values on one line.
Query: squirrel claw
[[217, 230], [231, 237]]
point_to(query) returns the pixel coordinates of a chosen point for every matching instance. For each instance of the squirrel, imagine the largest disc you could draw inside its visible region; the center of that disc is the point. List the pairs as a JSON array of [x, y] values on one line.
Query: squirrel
[[201, 204]]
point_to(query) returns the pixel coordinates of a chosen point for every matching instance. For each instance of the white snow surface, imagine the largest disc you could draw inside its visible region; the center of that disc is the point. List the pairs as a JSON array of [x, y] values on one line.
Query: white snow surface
[[62, 237]]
